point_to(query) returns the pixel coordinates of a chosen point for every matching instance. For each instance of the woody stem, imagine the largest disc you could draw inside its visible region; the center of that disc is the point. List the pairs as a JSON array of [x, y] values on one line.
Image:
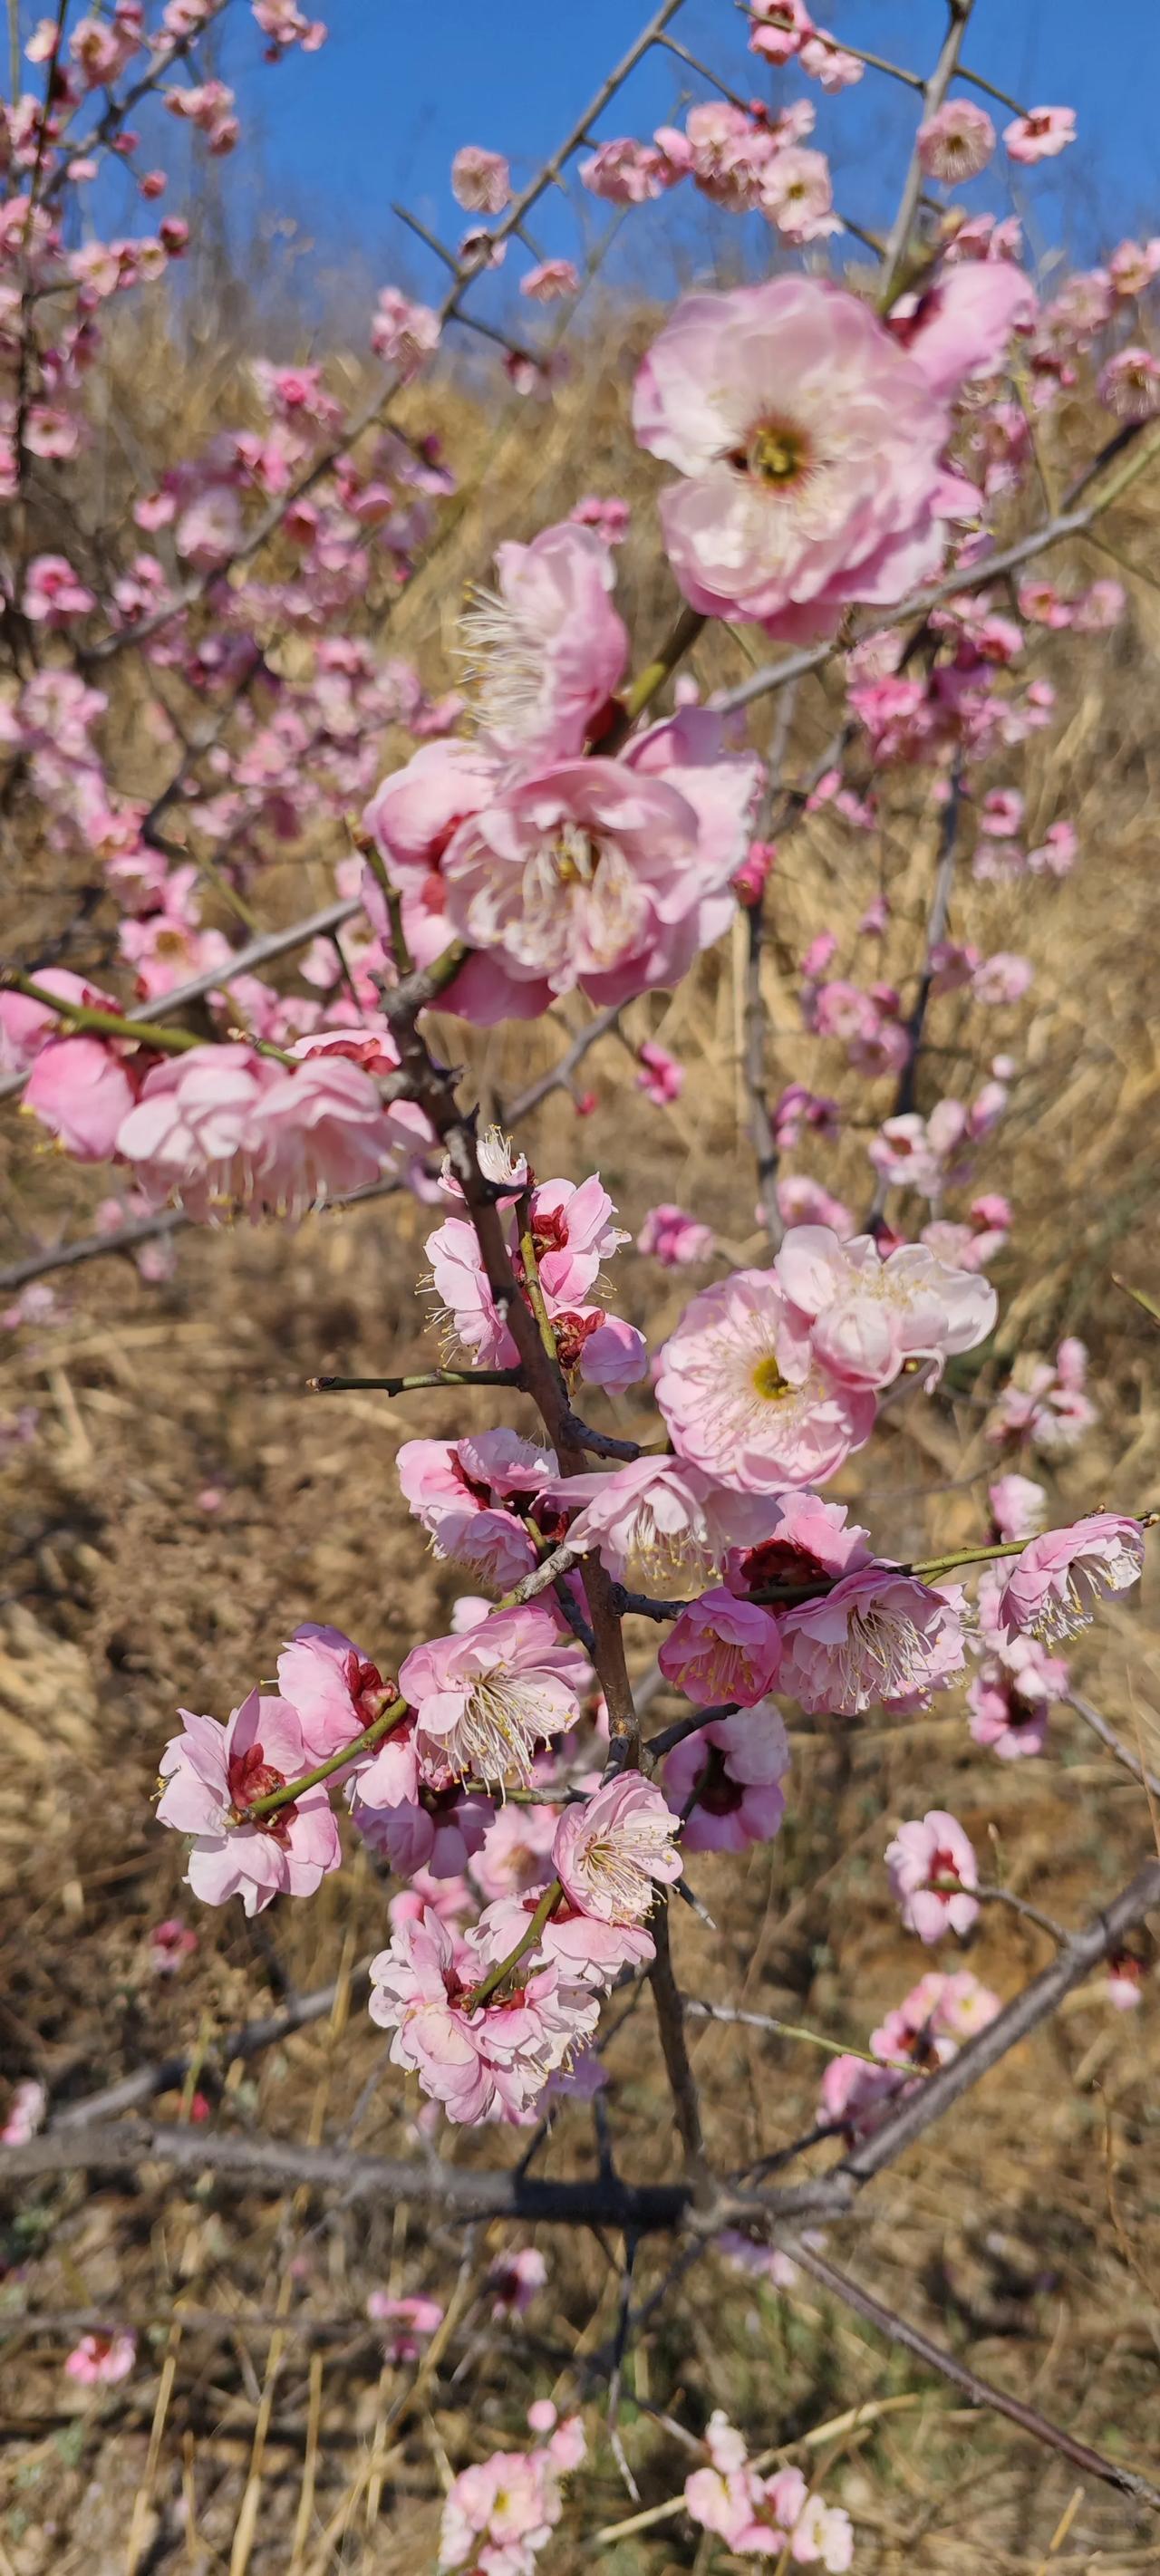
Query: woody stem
[[292, 1789]]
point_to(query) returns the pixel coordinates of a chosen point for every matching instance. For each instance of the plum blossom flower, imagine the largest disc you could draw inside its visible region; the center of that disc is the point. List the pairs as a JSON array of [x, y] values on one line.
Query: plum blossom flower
[[100, 2360], [25, 2113], [1129, 385], [476, 2059], [1055, 1584], [933, 1872], [956, 142], [796, 195], [1040, 134], [82, 1092], [733, 1771], [809, 443], [1011, 1695], [512, 2283], [480, 180], [169, 1943], [878, 1638], [487, 1699], [744, 1397], [660, 1075], [335, 1691], [414, 2321], [550, 279], [868, 1316], [1018, 1506], [213, 1775], [657, 1520], [403, 333], [611, 1853], [722, 1648], [546, 646], [674, 1238], [501, 2512], [462, 1491]]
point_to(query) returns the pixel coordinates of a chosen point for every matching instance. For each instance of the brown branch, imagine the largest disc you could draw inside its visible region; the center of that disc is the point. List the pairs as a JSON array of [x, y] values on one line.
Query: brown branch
[[982, 2392], [1120, 1751], [932, 99], [670, 2013]]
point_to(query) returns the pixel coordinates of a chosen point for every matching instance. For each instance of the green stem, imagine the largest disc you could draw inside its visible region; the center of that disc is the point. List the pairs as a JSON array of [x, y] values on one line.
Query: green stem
[[535, 1294], [292, 1789], [551, 1898], [421, 1378], [106, 1024], [641, 692]]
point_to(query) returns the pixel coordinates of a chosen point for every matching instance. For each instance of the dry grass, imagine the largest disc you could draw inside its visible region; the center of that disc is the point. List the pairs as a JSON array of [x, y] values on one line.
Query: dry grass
[[1025, 2233]]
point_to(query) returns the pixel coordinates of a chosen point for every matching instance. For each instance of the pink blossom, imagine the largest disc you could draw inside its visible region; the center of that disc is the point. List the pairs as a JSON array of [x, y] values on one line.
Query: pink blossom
[[1002, 978], [515, 1853], [722, 1648], [733, 1771], [547, 644], [796, 195], [53, 592], [480, 180], [868, 1316], [485, 1700], [828, 62], [810, 445], [82, 1092], [550, 279], [1125, 1981], [780, 28], [743, 1396], [169, 1943], [458, 1490], [751, 878], [474, 2059], [854, 2097], [415, 2321], [1040, 134], [1134, 265], [612, 1852], [956, 142], [807, 1540], [426, 1834], [625, 173], [25, 2115], [499, 2514], [801, 1201], [403, 334], [1018, 1507], [657, 1521], [1129, 384], [512, 2282], [1010, 1698], [673, 1238], [1057, 852], [1056, 1583], [660, 1075], [933, 1872], [586, 1948], [332, 1687], [879, 1637], [937, 2017], [100, 2360], [960, 327], [610, 518], [213, 1776]]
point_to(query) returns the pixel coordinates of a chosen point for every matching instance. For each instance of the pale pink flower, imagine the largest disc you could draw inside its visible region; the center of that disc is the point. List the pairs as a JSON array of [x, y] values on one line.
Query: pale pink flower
[[810, 444], [611, 1853], [781, 28], [743, 1396], [733, 1770], [1125, 1982], [1056, 1583], [480, 180], [722, 1648], [960, 327], [546, 646], [796, 194], [956, 142], [1134, 265], [610, 518], [828, 62], [82, 1092], [213, 1775], [550, 279], [660, 1075], [458, 1489], [403, 334], [587, 1949], [323, 1129], [729, 153], [414, 2321], [933, 1872], [53, 592], [25, 2115], [1129, 385], [673, 1238], [854, 2097], [499, 2514], [100, 2360], [193, 1134], [512, 2282], [878, 1638], [626, 173], [657, 1521], [1011, 1695], [1018, 1506], [1040, 134], [868, 1316], [424, 1834], [487, 1699], [515, 1853], [333, 1688], [802, 1201], [938, 2016], [1057, 853]]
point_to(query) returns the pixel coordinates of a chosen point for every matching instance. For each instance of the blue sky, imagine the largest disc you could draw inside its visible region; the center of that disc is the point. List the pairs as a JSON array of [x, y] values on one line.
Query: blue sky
[[378, 113]]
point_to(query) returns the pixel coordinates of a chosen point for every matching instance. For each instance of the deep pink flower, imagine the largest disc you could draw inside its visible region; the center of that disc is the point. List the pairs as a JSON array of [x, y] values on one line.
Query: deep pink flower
[[458, 1490], [736, 1767], [333, 1688], [660, 1074], [1040, 134], [82, 1092], [810, 442], [673, 1238], [806, 1540], [611, 1853], [960, 327], [878, 1638], [414, 2321], [743, 1396], [722, 1648], [485, 1700], [1056, 1583], [214, 1774], [512, 2281], [169, 1943], [100, 2360], [933, 1872]]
